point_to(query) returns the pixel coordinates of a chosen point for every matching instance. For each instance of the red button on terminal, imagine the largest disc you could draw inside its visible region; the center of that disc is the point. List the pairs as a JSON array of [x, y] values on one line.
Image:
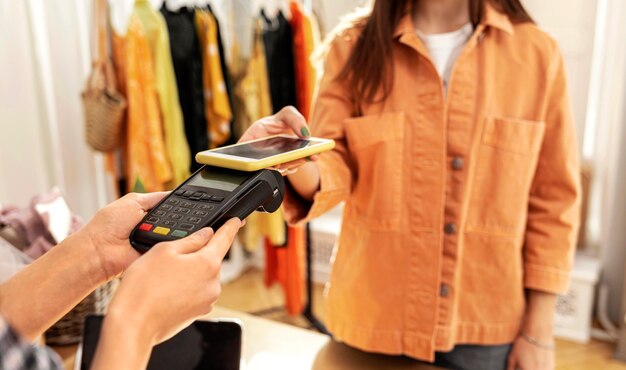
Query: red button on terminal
[[145, 227]]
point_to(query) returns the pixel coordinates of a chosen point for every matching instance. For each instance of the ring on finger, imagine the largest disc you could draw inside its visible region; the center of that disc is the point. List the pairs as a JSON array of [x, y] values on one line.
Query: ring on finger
[[290, 171]]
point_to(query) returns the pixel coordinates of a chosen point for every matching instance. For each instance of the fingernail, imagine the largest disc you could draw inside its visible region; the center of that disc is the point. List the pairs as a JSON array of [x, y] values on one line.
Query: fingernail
[[305, 131]]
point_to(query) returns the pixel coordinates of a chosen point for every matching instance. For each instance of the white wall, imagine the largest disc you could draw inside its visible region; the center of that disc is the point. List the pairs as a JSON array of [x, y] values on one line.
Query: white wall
[[43, 62], [572, 23], [605, 137], [23, 162]]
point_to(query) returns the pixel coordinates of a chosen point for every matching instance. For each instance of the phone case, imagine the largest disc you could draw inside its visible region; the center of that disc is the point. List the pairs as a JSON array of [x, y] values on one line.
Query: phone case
[[207, 157]]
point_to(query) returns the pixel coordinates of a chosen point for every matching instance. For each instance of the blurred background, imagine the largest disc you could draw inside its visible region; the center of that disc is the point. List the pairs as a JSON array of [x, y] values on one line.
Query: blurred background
[[45, 58]]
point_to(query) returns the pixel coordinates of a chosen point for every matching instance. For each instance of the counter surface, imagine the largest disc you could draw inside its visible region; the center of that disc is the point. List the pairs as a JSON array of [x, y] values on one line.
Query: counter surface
[[270, 345]]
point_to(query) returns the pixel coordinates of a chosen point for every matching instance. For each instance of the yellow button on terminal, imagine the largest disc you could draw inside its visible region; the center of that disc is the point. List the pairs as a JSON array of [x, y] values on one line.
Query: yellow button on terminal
[[161, 230]]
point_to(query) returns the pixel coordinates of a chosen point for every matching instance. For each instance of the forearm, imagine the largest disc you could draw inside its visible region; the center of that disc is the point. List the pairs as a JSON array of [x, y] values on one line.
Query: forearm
[[306, 182], [122, 345], [539, 316], [43, 292]]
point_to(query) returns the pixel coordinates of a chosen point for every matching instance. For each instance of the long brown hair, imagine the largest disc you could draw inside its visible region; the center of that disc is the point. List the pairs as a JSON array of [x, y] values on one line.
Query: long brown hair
[[369, 72]]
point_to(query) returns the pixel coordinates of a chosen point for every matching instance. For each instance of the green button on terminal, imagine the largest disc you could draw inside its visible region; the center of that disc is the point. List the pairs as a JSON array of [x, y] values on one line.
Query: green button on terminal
[[179, 233]]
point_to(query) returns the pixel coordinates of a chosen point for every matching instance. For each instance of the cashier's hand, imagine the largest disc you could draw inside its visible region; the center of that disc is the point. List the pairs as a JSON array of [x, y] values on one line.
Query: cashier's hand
[[109, 230], [287, 121], [172, 284]]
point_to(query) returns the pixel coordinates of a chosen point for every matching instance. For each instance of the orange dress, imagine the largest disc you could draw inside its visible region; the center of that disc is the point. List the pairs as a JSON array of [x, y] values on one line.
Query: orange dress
[[454, 205], [146, 165], [305, 41]]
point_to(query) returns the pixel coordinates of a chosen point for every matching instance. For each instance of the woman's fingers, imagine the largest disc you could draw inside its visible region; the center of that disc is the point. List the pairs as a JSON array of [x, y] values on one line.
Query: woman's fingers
[[291, 167], [293, 119]]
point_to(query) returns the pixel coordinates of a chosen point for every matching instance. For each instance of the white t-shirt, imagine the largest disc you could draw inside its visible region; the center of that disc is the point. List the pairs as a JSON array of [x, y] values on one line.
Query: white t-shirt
[[444, 48]]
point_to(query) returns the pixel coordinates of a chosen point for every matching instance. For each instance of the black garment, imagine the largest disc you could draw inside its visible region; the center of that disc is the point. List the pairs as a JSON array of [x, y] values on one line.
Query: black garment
[[278, 42], [187, 60], [227, 80], [474, 357]]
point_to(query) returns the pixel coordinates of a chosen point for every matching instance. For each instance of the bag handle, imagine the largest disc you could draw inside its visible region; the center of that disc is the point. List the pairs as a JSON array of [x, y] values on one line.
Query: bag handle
[[101, 60]]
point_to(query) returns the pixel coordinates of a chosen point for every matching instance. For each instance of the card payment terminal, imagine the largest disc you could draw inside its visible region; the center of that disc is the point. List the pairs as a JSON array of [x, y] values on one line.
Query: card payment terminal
[[209, 198]]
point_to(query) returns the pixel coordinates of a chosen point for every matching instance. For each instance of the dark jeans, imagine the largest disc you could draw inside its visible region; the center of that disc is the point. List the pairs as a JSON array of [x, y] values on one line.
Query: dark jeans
[[473, 357]]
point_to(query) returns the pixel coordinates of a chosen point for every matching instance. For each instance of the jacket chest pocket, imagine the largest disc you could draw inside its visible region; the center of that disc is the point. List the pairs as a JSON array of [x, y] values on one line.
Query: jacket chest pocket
[[505, 167], [376, 144]]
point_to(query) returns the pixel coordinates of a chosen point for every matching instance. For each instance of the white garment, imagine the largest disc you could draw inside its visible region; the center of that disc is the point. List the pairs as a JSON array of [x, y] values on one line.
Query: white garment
[[444, 48]]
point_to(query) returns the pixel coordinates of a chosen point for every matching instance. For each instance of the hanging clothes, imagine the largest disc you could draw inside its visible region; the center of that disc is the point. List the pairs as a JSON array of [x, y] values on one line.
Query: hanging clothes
[[254, 89], [278, 42], [253, 93], [225, 52], [285, 267], [305, 40], [216, 100], [243, 30], [284, 264], [167, 91], [147, 167], [187, 60]]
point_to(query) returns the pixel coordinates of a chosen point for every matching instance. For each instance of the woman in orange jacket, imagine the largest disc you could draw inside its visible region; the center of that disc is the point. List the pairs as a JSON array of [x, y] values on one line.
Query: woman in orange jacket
[[457, 161]]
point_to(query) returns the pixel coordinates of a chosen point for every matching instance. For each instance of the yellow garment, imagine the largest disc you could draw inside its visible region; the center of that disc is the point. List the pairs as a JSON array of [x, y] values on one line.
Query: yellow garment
[[254, 91], [311, 41], [216, 103], [167, 91], [255, 87], [144, 157]]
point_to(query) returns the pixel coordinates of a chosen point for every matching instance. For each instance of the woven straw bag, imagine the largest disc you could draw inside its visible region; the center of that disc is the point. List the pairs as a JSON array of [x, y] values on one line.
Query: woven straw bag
[[69, 330], [103, 105]]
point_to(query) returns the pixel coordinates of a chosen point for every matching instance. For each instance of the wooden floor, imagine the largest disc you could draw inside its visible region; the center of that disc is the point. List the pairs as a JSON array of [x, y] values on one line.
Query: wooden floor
[[249, 294]]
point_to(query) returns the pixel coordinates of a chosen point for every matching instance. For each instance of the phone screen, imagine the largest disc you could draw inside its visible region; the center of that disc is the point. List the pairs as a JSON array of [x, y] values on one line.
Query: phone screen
[[266, 148], [207, 345]]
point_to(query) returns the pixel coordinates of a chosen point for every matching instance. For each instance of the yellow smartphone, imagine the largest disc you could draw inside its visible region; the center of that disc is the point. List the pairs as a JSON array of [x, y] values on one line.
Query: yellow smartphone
[[263, 153]]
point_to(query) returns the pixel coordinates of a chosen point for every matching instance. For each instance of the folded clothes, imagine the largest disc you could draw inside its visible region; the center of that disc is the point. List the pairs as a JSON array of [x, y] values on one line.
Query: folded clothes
[[40, 226], [11, 260]]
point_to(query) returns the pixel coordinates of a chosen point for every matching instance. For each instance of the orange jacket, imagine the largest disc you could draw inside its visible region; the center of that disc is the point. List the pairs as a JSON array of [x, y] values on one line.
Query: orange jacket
[[454, 206]]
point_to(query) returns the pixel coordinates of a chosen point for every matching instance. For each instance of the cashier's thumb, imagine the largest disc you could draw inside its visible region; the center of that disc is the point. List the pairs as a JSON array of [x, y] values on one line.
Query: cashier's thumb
[[194, 242]]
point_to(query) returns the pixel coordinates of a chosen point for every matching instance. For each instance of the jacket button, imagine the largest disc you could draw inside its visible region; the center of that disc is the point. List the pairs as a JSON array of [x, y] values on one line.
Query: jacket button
[[444, 290], [457, 163], [449, 228]]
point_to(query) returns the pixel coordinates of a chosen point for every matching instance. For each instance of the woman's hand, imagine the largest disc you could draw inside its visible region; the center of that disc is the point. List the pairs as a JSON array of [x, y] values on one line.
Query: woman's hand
[[109, 230], [287, 121], [161, 293], [530, 356], [534, 347]]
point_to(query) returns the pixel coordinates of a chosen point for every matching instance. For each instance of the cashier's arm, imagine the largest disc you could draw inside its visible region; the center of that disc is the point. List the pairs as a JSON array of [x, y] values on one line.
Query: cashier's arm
[[40, 294], [304, 175]]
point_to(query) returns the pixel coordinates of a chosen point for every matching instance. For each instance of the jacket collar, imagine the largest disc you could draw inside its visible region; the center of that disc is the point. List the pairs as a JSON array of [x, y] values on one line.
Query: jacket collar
[[491, 18]]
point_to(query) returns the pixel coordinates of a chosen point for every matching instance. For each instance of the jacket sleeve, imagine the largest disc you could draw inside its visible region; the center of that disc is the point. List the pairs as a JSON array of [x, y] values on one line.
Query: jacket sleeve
[[332, 106], [554, 205]]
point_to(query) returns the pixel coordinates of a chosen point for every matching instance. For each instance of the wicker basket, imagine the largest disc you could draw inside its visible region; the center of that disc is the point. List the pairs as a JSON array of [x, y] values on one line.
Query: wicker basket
[[69, 329]]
